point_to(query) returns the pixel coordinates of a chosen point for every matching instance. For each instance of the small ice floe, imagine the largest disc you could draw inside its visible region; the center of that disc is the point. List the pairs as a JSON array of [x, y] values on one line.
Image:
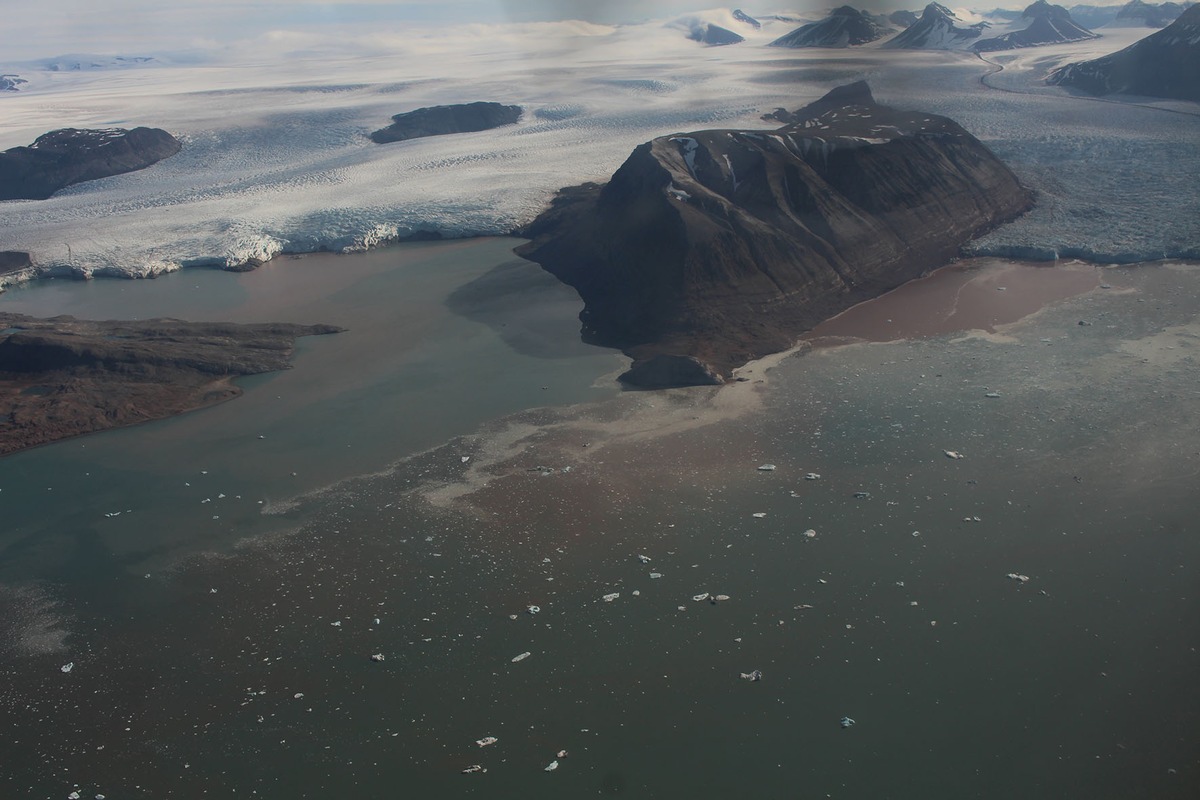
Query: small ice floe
[[862, 495], [485, 741], [720, 598], [562, 753], [753, 676], [846, 722], [553, 765], [337, 623], [812, 476], [465, 459], [608, 598], [953, 454], [473, 769], [766, 468], [67, 667], [644, 559], [531, 610], [803, 607], [377, 657], [655, 576], [636, 593], [1013, 576], [701, 596], [521, 657], [991, 394], [809, 534], [759, 514]]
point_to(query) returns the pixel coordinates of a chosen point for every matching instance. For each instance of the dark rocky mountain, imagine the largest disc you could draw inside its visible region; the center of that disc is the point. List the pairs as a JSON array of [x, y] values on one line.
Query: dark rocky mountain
[[64, 377], [902, 19], [73, 155], [938, 29], [844, 27], [723, 245], [1092, 17], [1136, 14], [714, 35], [1049, 24], [443, 120], [743, 17], [1164, 64], [9, 83]]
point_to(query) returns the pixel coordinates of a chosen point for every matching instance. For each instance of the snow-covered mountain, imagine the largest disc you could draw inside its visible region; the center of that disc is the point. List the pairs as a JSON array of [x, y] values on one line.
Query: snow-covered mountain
[[1092, 17], [1164, 64], [82, 62], [937, 29], [9, 83], [843, 27], [1049, 24], [1136, 14]]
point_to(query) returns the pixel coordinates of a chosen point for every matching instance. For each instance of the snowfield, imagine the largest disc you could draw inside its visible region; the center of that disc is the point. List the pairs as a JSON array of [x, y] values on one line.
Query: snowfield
[[276, 158]]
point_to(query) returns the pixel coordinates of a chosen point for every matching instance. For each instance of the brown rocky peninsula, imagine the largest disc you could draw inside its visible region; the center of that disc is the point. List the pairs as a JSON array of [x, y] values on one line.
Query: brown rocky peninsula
[[63, 376], [708, 249]]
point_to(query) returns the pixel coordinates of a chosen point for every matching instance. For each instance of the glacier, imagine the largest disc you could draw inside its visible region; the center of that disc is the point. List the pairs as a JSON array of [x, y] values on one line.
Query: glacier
[[276, 158]]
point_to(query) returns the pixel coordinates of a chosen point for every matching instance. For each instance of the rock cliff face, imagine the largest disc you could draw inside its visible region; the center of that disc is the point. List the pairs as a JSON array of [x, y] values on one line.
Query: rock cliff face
[[1048, 24], [1164, 64], [724, 245], [843, 27], [63, 377], [443, 120], [72, 155]]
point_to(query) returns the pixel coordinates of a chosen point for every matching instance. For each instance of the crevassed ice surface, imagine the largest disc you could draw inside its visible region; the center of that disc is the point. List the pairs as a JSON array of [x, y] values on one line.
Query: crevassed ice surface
[[276, 157]]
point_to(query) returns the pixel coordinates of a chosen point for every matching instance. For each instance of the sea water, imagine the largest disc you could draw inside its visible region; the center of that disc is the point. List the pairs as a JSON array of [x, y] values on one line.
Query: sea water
[[248, 672]]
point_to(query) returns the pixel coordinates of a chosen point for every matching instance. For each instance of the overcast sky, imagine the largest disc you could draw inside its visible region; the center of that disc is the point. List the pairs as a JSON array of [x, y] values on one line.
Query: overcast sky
[[41, 28]]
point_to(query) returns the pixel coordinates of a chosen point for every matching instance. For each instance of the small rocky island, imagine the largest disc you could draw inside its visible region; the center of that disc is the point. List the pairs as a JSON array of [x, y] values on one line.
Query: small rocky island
[[443, 120], [68, 156], [708, 249], [63, 377]]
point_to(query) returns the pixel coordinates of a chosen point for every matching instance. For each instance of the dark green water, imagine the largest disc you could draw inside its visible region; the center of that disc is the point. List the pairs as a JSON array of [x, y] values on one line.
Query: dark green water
[[1081, 682]]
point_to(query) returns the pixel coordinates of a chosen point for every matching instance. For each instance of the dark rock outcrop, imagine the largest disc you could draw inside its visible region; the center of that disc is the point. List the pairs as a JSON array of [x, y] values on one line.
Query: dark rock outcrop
[[714, 35], [9, 83], [443, 120], [73, 155], [665, 371], [14, 261], [844, 27], [724, 245], [63, 377], [902, 19], [1049, 24], [1164, 64], [746, 19], [938, 29]]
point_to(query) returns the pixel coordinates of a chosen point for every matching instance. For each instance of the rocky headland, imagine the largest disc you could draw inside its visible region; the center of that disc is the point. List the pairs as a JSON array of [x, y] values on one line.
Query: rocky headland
[[64, 377], [708, 249], [68, 156], [1164, 64], [444, 120]]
